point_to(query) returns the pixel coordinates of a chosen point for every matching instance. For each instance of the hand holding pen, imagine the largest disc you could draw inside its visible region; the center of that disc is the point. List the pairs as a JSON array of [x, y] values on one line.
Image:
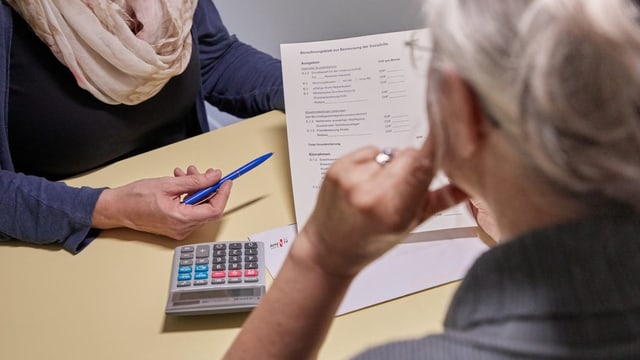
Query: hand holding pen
[[205, 194], [153, 205], [150, 205]]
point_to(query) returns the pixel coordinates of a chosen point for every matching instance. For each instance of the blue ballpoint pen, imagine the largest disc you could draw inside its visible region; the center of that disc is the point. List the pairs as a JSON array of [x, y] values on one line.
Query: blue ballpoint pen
[[204, 194]]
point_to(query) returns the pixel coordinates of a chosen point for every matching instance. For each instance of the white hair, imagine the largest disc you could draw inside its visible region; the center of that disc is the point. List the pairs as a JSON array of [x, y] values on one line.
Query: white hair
[[561, 77]]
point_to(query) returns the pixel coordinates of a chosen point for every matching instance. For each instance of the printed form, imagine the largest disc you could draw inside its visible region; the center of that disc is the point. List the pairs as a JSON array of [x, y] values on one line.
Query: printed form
[[344, 94], [341, 95]]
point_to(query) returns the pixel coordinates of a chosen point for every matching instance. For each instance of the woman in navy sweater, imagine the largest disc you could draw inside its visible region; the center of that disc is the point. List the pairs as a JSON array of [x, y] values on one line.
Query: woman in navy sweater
[[85, 84]]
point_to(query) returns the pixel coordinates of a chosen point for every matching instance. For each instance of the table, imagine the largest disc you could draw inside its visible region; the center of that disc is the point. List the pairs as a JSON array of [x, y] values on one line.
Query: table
[[108, 301]]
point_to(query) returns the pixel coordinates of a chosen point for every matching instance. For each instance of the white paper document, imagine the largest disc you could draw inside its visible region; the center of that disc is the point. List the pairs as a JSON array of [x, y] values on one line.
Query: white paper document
[[343, 94], [405, 269]]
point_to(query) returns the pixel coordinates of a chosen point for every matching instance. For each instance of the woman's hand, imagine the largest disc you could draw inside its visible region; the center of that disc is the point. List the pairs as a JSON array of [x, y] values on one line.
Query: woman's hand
[[365, 208], [153, 205]]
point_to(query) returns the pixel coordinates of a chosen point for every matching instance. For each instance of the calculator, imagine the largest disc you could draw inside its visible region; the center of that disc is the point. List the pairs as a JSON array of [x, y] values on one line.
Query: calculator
[[216, 277]]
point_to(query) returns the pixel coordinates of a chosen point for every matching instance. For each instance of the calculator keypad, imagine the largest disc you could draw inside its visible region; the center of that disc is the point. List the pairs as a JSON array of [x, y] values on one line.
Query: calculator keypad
[[218, 264]]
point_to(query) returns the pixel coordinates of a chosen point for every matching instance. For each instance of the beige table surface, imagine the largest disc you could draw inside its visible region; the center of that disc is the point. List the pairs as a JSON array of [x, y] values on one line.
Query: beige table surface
[[108, 301]]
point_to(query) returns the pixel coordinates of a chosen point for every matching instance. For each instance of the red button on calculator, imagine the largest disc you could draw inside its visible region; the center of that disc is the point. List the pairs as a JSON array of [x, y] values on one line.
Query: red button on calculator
[[251, 272]]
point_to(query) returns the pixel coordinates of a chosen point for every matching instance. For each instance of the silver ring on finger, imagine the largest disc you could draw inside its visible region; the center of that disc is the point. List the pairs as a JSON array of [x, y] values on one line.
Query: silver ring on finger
[[384, 156]]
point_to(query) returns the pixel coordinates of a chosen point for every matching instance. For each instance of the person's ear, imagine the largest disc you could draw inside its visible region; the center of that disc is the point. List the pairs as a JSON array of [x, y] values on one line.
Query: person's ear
[[466, 122]]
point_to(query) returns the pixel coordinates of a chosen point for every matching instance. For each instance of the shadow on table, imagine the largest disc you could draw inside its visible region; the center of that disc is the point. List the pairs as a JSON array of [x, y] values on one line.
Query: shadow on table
[[174, 323]]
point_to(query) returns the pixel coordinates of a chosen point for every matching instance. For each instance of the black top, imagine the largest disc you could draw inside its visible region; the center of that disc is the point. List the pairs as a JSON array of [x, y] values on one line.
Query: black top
[[71, 131]]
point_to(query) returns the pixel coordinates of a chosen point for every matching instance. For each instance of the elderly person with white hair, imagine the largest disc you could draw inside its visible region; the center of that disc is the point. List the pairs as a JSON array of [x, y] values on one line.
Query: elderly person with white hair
[[534, 112]]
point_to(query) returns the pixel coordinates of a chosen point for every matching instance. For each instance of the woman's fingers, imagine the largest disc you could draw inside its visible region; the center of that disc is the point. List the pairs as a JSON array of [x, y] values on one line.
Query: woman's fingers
[[442, 199]]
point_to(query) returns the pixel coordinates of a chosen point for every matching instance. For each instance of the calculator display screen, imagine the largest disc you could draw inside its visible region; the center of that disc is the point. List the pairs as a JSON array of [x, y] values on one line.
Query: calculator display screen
[[218, 294]]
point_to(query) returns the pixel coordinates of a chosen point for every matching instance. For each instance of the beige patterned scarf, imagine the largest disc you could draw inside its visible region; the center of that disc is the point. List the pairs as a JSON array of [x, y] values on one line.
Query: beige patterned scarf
[[121, 51]]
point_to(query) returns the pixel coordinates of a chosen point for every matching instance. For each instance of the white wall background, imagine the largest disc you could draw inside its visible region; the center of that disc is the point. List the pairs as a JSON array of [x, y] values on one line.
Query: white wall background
[[265, 24]]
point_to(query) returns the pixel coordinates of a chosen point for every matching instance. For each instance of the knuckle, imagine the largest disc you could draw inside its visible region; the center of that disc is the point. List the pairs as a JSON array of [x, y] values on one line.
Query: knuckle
[[196, 181], [365, 202], [333, 173]]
